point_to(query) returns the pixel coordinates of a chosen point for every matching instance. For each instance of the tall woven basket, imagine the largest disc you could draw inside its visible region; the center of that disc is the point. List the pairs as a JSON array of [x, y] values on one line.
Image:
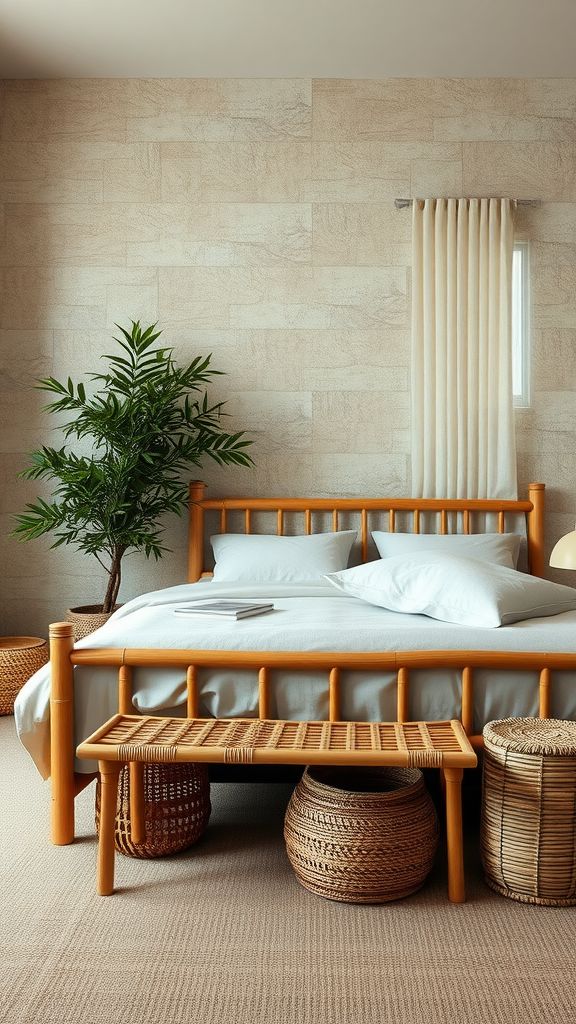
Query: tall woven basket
[[176, 809], [20, 658], [528, 825], [361, 835]]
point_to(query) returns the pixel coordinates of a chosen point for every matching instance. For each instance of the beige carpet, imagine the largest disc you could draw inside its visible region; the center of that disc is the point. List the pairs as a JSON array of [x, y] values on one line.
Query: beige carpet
[[224, 934]]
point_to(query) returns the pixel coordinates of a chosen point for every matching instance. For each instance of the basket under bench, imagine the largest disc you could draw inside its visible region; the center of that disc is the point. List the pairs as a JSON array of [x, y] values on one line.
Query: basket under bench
[[137, 739]]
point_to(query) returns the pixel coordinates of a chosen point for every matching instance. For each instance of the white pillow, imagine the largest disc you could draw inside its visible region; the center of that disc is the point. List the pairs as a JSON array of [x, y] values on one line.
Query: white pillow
[[454, 589], [500, 548], [266, 557]]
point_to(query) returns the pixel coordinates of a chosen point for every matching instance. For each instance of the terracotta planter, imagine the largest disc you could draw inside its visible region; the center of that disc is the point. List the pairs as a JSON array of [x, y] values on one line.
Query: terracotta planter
[[88, 618]]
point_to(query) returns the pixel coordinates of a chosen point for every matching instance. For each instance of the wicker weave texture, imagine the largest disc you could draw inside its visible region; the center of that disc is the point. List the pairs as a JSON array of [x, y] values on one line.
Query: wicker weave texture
[[86, 619], [361, 835], [176, 809], [20, 658], [528, 829], [147, 738]]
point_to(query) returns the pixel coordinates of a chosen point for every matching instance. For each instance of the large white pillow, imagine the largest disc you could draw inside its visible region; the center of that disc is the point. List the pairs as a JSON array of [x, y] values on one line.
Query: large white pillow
[[500, 548], [269, 558], [454, 589]]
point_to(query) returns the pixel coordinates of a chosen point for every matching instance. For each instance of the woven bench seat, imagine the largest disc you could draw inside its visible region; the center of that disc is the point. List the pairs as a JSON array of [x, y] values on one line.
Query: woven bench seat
[[137, 739]]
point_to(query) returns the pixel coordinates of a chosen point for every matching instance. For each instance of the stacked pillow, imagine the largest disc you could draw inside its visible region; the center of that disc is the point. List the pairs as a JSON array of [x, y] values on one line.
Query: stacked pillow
[[470, 580]]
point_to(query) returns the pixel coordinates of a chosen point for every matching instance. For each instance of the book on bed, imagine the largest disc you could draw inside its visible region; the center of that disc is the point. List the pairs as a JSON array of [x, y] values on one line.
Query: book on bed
[[229, 609]]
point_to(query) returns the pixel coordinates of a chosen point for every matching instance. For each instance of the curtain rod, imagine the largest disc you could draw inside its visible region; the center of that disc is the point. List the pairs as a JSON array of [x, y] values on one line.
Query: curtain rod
[[401, 203]]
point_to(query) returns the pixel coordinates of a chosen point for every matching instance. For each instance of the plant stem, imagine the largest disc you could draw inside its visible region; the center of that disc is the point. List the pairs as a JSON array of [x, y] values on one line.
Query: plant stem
[[114, 578]]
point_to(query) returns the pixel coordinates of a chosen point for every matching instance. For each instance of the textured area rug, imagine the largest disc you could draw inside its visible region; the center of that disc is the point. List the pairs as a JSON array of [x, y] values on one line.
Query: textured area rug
[[223, 933]]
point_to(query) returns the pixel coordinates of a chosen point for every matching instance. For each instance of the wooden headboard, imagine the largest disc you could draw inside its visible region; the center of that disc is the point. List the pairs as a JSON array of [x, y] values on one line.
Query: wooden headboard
[[447, 510]]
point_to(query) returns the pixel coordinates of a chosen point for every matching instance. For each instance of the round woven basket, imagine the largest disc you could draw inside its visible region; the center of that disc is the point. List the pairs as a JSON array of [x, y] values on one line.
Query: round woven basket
[[528, 824], [87, 619], [176, 809], [20, 658], [361, 835]]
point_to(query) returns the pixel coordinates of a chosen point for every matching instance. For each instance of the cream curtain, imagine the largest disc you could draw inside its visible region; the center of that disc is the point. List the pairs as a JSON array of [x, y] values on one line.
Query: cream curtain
[[462, 401]]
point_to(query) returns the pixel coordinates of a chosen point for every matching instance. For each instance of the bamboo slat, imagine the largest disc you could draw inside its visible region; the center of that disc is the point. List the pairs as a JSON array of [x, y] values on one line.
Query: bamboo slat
[[467, 704], [545, 702], [264, 693], [403, 694], [364, 533], [325, 660], [125, 689], [192, 691], [334, 692]]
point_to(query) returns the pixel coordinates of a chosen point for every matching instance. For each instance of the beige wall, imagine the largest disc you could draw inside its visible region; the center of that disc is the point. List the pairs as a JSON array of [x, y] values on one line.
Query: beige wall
[[254, 219]]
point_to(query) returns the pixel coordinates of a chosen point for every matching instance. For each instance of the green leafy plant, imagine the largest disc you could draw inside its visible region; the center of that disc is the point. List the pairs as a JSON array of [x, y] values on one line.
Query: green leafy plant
[[148, 422]]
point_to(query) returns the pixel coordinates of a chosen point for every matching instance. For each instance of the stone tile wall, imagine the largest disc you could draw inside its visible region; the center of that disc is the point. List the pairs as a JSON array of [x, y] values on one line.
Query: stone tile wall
[[254, 219]]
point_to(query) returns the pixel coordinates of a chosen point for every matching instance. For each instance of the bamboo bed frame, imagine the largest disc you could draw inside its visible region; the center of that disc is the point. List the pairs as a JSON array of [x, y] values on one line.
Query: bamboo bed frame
[[66, 783]]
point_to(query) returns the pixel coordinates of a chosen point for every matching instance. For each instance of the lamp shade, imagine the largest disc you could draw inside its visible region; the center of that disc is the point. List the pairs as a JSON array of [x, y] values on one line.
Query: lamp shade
[[564, 553]]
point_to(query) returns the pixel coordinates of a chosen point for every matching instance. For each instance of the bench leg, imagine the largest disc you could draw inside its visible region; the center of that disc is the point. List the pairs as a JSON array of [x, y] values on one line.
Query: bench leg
[[453, 778], [109, 772]]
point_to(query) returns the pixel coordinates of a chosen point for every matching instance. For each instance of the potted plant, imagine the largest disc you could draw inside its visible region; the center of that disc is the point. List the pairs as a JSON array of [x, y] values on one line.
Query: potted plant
[[146, 422]]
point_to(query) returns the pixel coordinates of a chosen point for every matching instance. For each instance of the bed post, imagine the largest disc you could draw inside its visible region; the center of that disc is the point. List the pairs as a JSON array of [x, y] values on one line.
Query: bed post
[[196, 531], [62, 733], [536, 529]]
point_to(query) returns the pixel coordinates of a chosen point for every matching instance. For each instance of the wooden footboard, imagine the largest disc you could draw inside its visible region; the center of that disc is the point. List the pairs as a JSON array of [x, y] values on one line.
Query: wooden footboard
[[65, 784]]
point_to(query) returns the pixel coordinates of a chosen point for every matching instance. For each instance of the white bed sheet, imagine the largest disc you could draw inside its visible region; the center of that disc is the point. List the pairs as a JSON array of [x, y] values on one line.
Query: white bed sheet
[[311, 616]]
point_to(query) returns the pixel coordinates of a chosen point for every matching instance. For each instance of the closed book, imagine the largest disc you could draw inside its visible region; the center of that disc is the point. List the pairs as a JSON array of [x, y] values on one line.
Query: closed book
[[228, 609]]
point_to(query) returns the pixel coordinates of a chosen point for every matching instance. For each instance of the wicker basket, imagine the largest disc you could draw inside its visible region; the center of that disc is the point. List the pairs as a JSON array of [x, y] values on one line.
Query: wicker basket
[[20, 658], [87, 618], [528, 827], [176, 808], [361, 835]]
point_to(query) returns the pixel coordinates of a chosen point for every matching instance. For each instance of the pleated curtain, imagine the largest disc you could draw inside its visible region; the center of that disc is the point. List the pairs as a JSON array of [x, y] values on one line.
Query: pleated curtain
[[462, 399]]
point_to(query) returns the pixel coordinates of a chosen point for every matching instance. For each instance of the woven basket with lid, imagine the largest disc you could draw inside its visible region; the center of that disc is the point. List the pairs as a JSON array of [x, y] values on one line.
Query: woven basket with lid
[[528, 829], [20, 658], [361, 835]]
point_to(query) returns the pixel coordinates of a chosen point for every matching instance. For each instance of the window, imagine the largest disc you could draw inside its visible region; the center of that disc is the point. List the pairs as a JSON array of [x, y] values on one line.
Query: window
[[521, 325]]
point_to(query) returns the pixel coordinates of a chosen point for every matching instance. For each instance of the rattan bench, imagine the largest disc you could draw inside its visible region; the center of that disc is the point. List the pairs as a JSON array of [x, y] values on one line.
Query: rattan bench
[[137, 739]]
